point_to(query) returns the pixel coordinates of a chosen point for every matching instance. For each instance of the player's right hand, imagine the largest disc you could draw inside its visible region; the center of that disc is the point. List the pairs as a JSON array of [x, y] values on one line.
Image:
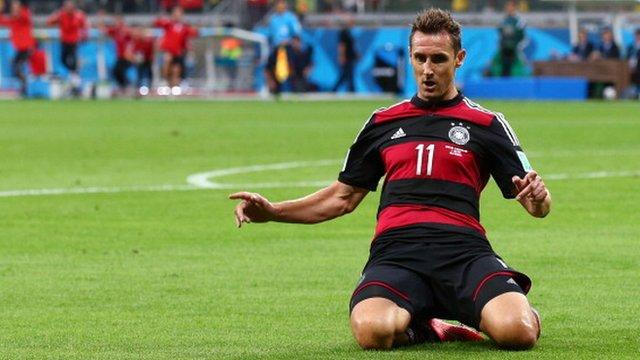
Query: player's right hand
[[253, 207]]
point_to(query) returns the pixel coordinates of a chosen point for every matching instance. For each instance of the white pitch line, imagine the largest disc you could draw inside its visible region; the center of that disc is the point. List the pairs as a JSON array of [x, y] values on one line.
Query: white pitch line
[[96, 190], [592, 175], [204, 181]]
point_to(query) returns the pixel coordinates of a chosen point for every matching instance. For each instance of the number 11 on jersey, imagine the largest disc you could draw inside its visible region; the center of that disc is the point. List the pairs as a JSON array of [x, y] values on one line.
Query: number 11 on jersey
[[420, 164]]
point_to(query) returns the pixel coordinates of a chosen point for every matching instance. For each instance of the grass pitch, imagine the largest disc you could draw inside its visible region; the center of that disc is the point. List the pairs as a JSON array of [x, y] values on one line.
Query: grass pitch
[[166, 275]]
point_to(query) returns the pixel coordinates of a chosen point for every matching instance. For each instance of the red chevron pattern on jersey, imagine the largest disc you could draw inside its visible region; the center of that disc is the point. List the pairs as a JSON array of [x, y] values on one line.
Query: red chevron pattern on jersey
[[463, 110], [444, 161]]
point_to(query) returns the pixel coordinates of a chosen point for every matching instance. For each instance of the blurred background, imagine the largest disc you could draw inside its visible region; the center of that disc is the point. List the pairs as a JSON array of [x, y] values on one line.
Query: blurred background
[[523, 49]]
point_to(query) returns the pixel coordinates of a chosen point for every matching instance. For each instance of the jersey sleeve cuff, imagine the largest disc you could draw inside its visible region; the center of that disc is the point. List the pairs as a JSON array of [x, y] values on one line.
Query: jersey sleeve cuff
[[353, 182]]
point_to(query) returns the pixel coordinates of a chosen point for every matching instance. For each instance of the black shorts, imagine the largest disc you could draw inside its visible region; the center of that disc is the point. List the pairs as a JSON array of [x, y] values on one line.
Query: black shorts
[[177, 60], [19, 60], [69, 56], [449, 277]]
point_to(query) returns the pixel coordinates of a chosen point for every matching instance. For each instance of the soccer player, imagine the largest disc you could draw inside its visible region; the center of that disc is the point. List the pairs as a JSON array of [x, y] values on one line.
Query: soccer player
[[73, 29], [122, 36], [430, 258], [22, 39], [175, 44], [144, 50]]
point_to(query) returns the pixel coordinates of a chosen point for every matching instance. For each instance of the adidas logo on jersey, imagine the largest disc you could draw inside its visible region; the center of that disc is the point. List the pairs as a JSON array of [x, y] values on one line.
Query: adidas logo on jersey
[[400, 133]]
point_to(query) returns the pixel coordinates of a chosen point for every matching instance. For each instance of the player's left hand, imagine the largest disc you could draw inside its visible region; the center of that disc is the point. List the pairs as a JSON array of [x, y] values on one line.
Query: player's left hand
[[530, 188]]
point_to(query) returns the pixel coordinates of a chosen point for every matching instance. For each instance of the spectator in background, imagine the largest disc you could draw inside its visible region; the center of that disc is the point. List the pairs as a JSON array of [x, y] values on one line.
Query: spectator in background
[[583, 49], [168, 5], [511, 36], [73, 29], [347, 56], [303, 7], [21, 34], [38, 61], [283, 26], [608, 48], [228, 57], [144, 52], [302, 65], [175, 44], [120, 33], [633, 55]]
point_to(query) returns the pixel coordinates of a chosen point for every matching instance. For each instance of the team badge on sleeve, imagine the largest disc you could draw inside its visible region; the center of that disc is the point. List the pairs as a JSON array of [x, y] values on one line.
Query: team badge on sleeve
[[459, 135], [524, 161]]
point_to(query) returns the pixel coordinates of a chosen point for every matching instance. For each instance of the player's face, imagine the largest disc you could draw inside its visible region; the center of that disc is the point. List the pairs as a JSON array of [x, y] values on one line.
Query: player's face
[[434, 65], [15, 7], [582, 37], [177, 13], [68, 5]]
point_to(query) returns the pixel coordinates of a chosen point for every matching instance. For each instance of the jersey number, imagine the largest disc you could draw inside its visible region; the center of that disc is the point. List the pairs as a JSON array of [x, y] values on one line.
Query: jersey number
[[420, 164]]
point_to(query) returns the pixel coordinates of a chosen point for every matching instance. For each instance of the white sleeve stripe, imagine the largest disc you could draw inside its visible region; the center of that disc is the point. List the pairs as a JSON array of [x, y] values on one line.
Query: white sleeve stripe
[[507, 129], [363, 127], [374, 113], [505, 124], [511, 129], [346, 159], [477, 106]]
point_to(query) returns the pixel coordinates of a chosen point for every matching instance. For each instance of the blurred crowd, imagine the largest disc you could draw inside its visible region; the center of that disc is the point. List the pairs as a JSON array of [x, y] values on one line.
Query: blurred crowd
[[135, 45], [290, 59]]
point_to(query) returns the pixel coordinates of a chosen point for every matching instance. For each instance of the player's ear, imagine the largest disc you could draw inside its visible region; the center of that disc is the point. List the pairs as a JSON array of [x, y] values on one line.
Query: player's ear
[[460, 56]]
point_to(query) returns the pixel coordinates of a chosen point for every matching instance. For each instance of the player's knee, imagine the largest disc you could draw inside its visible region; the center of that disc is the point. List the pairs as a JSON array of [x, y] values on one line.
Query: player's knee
[[376, 323], [373, 331], [515, 332]]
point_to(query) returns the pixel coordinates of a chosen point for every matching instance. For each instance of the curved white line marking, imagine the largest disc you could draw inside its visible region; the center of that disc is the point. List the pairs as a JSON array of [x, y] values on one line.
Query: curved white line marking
[[203, 181]]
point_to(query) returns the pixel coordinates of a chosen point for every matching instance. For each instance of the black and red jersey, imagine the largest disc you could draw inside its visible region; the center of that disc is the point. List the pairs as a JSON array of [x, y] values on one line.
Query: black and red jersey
[[436, 159]]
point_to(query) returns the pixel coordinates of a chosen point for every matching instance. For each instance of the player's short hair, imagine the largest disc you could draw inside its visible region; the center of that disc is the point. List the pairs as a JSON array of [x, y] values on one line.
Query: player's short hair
[[435, 21]]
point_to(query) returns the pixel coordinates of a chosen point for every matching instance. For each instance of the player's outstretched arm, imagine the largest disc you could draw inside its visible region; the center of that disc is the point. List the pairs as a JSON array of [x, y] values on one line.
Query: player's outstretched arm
[[533, 194], [335, 200]]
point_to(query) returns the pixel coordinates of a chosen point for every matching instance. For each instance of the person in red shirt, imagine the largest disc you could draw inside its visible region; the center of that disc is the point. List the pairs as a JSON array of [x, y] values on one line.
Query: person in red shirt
[[38, 61], [174, 44], [144, 52], [73, 29], [21, 28], [121, 35]]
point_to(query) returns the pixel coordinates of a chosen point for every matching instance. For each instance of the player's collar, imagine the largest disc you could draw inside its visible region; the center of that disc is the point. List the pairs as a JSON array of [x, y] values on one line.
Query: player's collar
[[415, 100]]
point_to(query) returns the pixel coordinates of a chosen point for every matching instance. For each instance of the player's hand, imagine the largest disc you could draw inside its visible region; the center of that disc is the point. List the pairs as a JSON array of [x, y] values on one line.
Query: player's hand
[[530, 188], [253, 207]]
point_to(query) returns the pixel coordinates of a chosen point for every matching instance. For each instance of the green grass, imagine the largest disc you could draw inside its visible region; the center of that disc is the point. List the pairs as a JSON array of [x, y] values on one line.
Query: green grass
[[166, 275]]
